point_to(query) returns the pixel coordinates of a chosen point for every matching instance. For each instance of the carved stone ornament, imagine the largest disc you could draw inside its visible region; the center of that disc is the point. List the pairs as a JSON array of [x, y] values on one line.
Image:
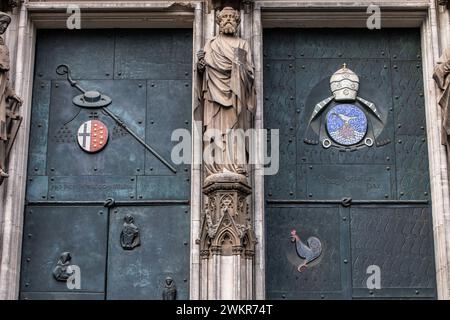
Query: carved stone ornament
[[10, 103], [129, 237], [63, 270], [170, 289], [7, 5], [219, 4], [308, 252], [345, 120], [226, 225], [444, 3], [227, 95], [441, 76]]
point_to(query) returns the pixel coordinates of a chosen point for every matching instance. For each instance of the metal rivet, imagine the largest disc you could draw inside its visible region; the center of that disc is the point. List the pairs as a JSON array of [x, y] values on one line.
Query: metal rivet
[[151, 169], [132, 179], [140, 85], [344, 218], [52, 197], [283, 296], [185, 280], [27, 284], [388, 158], [322, 296], [100, 212], [386, 196], [399, 141], [188, 179], [107, 74], [310, 195], [388, 168], [140, 197], [30, 235], [371, 292], [138, 169], [394, 56], [186, 211], [28, 259], [119, 73], [310, 167], [95, 169], [131, 197], [185, 243], [402, 193], [270, 194], [345, 261], [291, 193], [298, 110], [417, 292], [425, 193], [31, 179]]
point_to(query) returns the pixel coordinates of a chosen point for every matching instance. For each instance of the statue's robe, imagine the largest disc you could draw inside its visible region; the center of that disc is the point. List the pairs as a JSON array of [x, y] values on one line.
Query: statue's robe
[[442, 78], [228, 95], [5, 92]]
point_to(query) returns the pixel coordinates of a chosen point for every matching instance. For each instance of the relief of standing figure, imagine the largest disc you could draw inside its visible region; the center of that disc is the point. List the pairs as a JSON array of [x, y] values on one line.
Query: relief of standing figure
[[9, 101]]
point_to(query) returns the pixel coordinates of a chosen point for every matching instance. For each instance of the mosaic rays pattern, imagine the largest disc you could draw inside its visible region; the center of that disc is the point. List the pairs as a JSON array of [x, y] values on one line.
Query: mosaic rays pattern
[[346, 124]]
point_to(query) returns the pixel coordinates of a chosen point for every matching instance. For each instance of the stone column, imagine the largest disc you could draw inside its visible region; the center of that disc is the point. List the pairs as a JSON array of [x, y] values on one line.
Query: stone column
[[227, 238], [227, 242]]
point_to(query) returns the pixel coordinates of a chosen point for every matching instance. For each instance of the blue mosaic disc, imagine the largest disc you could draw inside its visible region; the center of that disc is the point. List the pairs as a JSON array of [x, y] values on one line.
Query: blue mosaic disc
[[346, 124]]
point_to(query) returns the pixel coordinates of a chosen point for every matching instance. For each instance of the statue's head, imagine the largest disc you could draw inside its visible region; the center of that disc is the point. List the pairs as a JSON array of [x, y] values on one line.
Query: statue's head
[[128, 218], [344, 84], [228, 20], [169, 281], [65, 257], [5, 20]]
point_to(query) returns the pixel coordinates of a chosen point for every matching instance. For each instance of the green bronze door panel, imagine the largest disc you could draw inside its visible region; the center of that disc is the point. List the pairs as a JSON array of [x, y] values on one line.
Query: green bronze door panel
[[379, 189], [147, 76], [163, 252]]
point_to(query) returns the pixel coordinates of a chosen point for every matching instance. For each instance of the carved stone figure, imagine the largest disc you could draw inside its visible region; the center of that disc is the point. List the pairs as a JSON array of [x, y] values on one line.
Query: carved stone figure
[[442, 78], [63, 270], [227, 91], [9, 101], [129, 237], [170, 289]]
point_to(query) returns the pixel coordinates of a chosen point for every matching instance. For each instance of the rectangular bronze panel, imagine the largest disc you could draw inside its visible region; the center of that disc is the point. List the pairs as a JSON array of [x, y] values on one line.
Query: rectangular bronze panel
[[160, 54], [50, 231], [399, 241], [163, 251], [323, 278], [177, 187], [355, 181], [123, 155], [92, 188], [90, 53]]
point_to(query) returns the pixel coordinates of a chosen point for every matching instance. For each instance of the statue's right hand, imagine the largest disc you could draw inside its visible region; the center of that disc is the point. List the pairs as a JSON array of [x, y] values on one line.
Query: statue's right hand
[[201, 64], [201, 54]]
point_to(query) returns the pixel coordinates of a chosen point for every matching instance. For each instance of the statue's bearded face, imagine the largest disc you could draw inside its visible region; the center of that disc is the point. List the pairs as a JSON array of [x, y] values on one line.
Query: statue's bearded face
[[228, 21]]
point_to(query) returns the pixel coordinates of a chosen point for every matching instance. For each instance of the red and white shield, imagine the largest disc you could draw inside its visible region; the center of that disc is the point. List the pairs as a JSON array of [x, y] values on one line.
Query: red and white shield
[[92, 136]]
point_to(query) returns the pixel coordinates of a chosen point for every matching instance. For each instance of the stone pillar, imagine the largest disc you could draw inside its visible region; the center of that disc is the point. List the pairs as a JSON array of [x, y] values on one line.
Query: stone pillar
[[227, 242]]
